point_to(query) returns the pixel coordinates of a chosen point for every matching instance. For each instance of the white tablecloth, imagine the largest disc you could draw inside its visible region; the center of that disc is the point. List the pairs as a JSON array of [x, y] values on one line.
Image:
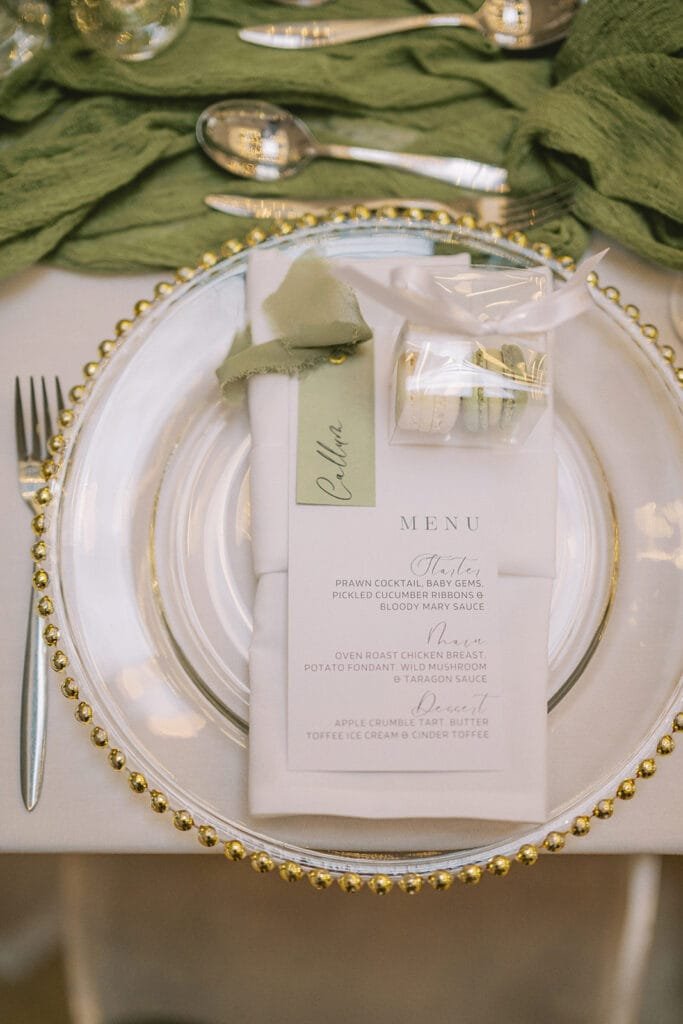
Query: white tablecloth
[[50, 323]]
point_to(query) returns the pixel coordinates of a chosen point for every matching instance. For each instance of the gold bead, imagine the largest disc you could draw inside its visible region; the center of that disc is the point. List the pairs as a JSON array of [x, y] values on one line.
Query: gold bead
[[350, 882], [99, 736], [106, 347], [592, 279], [163, 288], [331, 217], [518, 238], [70, 688], [470, 874], [581, 826], [122, 326], [309, 220], [283, 227], [158, 802], [554, 842], [43, 496], [494, 230], [568, 262], [415, 213], [679, 374], [48, 469], [255, 236], [604, 809], [649, 331], [261, 862], [498, 866], [184, 273], [380, 885], [543, 249], [677, 724], [320, 879], [440, 881], [137, 782], [388, 212], [627, 789], [209, 259], [183, 821], [83, 713], [45, 606], [38, 524], [440, 217], [117, 759], [612, 293], [39, 550], [77, 393], [632, 312], [665, 745], [234, 850], [291, 872], [66, 417], [336, 358], [361, 213], [527, 854], [141, 306], [647, 768], [59, 661], [51, 635], [207, 836], [467, 221], [91, 368], [40, 579], [667, 353], [410, 884], [231, 247]]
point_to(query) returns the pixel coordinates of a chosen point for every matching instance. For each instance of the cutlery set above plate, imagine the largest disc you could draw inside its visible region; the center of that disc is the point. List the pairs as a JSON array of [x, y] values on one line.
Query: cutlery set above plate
[[264, 143]]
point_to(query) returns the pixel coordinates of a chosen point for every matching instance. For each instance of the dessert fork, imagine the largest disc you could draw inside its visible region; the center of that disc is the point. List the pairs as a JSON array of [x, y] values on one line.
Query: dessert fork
[[34, 682]]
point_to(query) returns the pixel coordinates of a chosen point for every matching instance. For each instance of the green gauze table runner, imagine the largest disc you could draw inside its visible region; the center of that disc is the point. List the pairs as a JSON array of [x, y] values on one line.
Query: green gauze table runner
[[99, 168]]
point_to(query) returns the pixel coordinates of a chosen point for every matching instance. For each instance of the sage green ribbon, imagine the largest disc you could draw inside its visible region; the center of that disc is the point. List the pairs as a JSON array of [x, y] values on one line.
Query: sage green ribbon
[[313, 315]]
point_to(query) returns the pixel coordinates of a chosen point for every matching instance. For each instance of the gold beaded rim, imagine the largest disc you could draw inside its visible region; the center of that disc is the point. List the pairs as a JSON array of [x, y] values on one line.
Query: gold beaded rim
[[261, 861]]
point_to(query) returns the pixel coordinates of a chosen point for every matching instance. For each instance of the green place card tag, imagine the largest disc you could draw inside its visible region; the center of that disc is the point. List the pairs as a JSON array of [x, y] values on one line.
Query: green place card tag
[[336, 435]]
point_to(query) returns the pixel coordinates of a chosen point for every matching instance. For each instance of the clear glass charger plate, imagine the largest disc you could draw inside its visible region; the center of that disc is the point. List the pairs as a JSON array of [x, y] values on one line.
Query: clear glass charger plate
[[150, 562]]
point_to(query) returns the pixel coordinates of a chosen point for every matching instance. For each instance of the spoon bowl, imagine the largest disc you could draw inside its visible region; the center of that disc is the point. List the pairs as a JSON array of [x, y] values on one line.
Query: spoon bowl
[[255, 140]]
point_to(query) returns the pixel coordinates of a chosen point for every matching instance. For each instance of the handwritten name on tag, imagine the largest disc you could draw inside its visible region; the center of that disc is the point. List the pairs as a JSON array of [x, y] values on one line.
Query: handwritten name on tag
[[336, 433]]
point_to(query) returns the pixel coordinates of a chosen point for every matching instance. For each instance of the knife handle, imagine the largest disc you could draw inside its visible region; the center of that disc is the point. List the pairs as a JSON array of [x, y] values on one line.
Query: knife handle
[[304, 35], [33, 710]]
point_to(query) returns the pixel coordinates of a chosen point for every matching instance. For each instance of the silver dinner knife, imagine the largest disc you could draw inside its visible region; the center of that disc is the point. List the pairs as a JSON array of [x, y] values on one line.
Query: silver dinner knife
[[284, 209]]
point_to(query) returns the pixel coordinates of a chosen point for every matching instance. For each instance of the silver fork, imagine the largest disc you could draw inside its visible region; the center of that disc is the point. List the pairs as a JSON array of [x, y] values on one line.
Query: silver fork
[[34, 682], [511, 213]]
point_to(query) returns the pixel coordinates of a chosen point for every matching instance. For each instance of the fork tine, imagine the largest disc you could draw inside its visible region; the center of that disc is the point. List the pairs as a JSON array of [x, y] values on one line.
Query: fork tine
[[532, 218], [36, 446], [22, 450], [60, 396], [46, 412], [516, 202]]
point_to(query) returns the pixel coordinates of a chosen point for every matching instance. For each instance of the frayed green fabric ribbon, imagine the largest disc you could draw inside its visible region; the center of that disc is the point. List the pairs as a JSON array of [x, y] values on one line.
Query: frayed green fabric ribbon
[[313, 316]]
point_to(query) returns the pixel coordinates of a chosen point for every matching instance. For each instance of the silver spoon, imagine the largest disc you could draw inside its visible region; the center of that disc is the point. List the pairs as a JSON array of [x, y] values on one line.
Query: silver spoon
[[261, 141], [511, 24]]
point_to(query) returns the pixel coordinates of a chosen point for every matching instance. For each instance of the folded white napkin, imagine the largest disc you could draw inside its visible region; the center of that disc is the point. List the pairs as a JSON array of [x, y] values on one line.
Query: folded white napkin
[[523, 486]]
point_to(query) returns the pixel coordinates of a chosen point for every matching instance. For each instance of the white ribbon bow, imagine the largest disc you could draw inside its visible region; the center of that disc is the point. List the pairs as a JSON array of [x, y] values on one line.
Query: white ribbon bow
[[410, 297]]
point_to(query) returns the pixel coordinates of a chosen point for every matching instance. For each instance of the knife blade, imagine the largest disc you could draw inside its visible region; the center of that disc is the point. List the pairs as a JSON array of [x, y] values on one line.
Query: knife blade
[[284, 209]]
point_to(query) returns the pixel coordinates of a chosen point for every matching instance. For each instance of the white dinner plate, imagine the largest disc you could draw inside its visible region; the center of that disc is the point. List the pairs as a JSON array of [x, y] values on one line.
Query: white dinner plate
[[149, 544]]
